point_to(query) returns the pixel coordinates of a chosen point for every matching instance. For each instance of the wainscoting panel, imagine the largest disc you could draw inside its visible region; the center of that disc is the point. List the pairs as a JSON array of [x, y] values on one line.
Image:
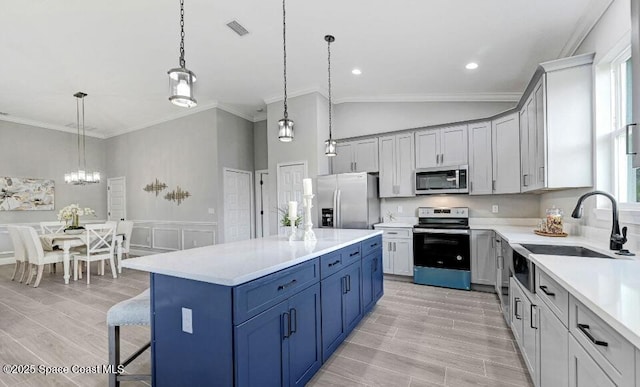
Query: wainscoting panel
[[156, 236], [197, 238], [166, 238], [141, 236]]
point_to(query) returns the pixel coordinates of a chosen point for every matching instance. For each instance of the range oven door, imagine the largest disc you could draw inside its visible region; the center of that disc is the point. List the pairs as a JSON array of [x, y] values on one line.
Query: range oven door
[[443, 249]]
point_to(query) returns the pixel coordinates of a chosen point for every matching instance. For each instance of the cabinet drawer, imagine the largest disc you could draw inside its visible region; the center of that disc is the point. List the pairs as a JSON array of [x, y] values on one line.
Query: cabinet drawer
[[612, 352], [330, 263], [259, 295], [397, 233], [554, 295], [370, 245], [350, 254]]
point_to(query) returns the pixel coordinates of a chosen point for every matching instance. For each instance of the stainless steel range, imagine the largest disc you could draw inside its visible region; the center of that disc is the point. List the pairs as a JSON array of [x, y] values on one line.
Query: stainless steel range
[[441, 247]]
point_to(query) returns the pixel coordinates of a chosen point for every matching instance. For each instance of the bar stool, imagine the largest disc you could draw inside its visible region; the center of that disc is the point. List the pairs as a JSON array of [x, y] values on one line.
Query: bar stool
[[134, 311]]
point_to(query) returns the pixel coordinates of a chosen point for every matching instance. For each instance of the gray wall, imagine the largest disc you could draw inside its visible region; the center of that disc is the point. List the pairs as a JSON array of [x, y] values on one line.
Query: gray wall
[[235, 150], [260, 152], [181, 152], [365, 118], [29, 151]]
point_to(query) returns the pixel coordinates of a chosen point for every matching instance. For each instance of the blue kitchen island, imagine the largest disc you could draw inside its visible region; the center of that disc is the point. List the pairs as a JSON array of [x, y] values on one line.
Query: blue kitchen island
[[261, 312]]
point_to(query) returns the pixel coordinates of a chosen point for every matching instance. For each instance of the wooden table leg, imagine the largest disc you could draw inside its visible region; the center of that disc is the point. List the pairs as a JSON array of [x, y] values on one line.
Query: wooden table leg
[[65, 263]]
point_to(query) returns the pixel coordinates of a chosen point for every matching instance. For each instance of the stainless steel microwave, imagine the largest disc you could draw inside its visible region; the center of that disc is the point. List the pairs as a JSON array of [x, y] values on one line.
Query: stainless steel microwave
[[442, 180]]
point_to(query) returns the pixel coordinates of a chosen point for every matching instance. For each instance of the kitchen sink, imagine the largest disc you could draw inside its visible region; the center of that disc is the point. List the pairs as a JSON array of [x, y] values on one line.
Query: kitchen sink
[[576, 251]]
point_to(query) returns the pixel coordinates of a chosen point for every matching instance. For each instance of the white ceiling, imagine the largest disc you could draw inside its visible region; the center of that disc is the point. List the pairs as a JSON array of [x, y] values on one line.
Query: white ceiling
[[119, 51]]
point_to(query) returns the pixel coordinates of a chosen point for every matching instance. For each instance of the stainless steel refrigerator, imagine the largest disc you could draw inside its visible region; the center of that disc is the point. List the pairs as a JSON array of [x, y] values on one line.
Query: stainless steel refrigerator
[[348, 200]]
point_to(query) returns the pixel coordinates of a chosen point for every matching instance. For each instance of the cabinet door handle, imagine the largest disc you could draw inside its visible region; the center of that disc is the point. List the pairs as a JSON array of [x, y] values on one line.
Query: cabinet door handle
[[293, 322], [629, 144], [282, 287], [515, 308], [394, 246], [374, 267], [390, 246], [441, 158], [334, 263], [391, 232], [531, 318], [541, 172], [355, 166], [493, 185], [354, 253], [546, 291], [585, 329], [373, 245], [524, 180], [344, 285], [348, 282], [286, 325], [470, 186]]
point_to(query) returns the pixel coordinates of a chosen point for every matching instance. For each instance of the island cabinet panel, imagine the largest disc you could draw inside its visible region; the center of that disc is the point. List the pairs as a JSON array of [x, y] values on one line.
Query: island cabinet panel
[[341, 296], [371, 280], [305, 346], [261, 294], [182, 358]]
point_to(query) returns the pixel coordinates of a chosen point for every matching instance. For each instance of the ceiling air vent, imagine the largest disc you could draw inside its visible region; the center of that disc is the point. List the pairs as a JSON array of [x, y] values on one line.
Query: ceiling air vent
[[237, 28]]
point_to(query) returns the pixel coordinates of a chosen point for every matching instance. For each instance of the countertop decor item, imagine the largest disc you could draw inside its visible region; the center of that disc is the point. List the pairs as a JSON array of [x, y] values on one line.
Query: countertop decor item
[[330, 144], [71, 215], [285, 125], [550, 234], [82, 176], [307, 202], [181, 80]]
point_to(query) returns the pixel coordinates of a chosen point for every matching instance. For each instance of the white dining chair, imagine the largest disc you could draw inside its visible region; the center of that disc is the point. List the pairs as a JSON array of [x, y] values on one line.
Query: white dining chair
[[100, 245], [19, 253], [36, 254], [52, 227], [125, 228]]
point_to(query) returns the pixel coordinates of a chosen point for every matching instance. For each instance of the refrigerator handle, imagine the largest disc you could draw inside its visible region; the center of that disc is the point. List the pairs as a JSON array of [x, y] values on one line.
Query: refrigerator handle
[[335, 208], [339, 210]]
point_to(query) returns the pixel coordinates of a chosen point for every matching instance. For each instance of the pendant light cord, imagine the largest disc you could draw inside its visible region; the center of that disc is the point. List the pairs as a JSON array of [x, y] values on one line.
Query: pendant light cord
[[284, 49], [78, 125], [329, 70], [182, 61], [84, 142]]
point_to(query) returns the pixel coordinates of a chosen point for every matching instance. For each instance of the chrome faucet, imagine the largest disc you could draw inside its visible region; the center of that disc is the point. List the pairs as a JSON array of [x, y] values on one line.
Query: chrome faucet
[[617, 240]]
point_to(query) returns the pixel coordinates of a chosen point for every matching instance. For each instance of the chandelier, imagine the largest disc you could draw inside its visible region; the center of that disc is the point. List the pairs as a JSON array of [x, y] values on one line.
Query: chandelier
[[81, 176], [181, 80], [285, 125]]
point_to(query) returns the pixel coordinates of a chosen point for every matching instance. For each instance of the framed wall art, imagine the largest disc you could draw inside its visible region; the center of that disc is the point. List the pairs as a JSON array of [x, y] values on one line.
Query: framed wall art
[[25, 194]]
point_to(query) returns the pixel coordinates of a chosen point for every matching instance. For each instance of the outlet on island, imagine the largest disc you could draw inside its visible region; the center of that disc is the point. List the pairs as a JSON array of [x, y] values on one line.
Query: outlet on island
[[495, 209]]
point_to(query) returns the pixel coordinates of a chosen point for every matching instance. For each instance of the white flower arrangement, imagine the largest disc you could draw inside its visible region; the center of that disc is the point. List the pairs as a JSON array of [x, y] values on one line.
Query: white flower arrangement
[[68, 212]]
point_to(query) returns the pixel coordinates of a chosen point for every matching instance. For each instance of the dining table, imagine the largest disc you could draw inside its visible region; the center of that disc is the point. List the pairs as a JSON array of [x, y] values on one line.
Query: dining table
[[65, 242]]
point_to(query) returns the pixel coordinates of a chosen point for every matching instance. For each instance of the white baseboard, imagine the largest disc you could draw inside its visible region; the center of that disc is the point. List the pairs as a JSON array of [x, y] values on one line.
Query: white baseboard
[[7, 261]]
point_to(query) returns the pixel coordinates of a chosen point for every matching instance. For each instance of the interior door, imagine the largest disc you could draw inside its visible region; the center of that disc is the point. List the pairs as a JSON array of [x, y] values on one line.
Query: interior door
[[289, 187], [237, 205], [352, 200], [262, 203], [116, 199]]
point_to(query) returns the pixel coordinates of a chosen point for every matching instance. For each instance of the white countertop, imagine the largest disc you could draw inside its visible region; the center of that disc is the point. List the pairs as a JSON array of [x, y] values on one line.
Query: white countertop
[[235, 263], [609, 287]]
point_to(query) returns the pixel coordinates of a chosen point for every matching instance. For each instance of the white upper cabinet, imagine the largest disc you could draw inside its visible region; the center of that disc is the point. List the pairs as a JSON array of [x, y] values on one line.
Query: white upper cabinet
[[635, 74], [480, 168], [441, 147], [356, 156], [556, 126], [505, 135], [396, 166]]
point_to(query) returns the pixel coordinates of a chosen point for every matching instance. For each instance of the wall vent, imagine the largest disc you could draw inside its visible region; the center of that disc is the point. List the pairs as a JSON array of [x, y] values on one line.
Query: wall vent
[[237, 28]]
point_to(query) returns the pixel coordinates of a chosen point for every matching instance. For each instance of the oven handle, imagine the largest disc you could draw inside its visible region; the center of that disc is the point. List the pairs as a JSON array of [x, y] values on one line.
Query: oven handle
[[440, 231]]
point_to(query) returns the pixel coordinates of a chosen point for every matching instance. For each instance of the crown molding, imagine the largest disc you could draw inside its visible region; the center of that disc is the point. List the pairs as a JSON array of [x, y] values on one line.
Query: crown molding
[[262, 116], [235, 112], [45, 125], [296, 93], [589, 19], [462, 97]]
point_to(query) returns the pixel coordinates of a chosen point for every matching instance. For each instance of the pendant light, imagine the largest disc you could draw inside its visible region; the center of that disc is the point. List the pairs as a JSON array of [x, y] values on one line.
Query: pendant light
[[285, 125], [330, 144], [181, 80], [82, 176]]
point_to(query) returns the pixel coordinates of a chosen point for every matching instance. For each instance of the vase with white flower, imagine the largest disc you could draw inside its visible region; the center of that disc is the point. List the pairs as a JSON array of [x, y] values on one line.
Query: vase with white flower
[[71, 215]]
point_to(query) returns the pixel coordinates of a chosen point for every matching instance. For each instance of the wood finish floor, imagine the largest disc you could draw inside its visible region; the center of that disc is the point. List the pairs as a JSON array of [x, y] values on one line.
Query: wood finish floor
[[416, 336]]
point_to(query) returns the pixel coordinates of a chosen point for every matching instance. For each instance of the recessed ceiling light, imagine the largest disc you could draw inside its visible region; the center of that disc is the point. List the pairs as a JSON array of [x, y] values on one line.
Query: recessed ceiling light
[[471, 66], [356, 71]]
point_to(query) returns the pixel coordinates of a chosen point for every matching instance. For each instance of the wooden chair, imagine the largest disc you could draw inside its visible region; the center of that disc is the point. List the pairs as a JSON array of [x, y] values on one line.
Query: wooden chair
[[19, 252], [101, 240], [52, 227], [36, 254], [125, 227]]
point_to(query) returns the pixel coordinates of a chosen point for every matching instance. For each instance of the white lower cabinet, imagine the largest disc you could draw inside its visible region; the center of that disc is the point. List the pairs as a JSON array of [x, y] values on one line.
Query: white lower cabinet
[[483, 257], [397, 251], [583, 370], [553, 354]]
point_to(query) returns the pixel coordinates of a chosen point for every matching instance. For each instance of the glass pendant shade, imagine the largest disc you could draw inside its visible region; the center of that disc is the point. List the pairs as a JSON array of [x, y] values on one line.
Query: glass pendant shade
[[181, 83], [81, 176], [285, 130], [330, 148]]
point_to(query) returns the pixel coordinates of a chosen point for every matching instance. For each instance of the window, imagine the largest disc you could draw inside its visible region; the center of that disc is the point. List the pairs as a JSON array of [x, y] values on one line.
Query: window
[[625, 178]]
